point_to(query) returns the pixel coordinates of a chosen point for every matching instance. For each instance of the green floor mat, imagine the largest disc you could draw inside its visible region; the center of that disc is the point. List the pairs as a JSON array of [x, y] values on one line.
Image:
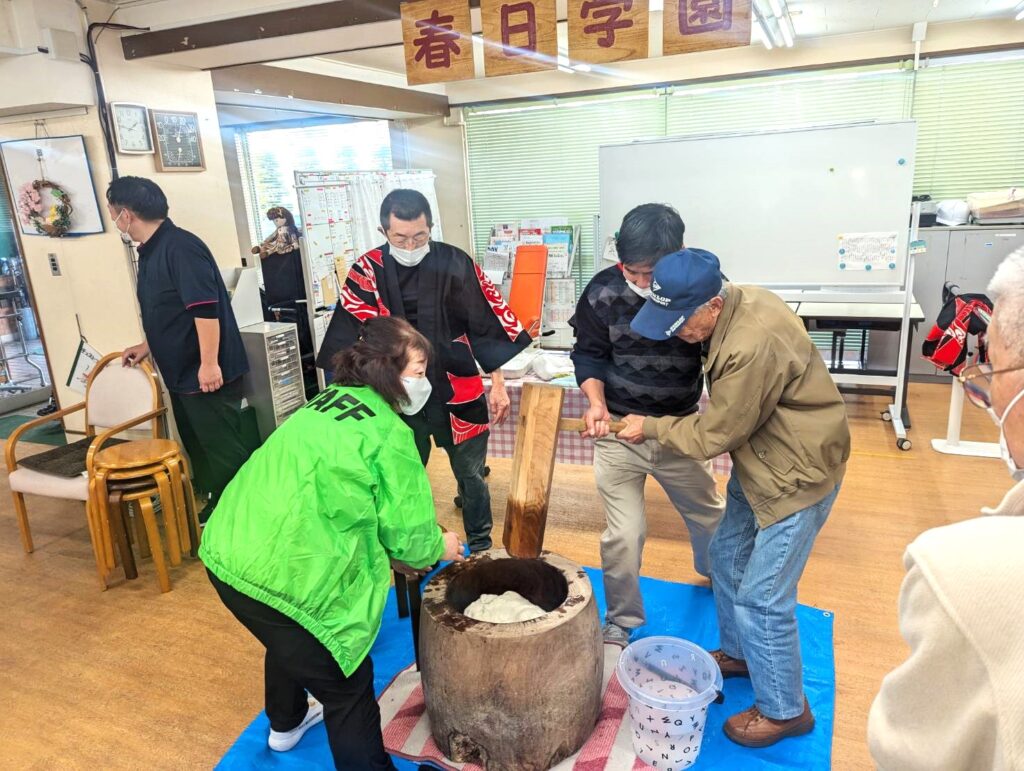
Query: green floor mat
[[49, 433]]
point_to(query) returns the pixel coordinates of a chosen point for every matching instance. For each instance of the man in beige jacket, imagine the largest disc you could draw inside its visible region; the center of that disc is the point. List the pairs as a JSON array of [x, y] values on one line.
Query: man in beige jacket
[[775, 409], [957, 702]]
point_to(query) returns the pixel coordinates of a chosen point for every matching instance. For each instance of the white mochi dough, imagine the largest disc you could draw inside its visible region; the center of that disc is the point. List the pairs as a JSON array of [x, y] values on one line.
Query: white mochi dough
[[505, 608]]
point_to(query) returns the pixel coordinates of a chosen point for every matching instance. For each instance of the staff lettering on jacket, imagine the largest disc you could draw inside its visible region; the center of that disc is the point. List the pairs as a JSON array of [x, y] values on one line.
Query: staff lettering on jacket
[[347, 405]]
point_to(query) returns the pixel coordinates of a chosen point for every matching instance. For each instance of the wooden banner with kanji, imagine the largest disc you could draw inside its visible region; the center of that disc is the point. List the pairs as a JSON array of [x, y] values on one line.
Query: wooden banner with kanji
[[703, 25], [438, 40], [602, 31], [519, 36]]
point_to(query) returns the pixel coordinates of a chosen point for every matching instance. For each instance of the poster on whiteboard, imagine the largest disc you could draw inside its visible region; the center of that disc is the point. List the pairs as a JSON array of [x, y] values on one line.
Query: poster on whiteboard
[[868, 251], [62, 161]]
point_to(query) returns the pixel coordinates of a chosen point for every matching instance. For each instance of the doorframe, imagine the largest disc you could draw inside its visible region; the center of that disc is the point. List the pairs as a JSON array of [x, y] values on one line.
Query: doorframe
[[35, 305]]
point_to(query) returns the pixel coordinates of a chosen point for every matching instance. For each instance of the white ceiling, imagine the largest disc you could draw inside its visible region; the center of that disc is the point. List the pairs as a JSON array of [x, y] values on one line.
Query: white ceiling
[[840, 17], [811, 18]]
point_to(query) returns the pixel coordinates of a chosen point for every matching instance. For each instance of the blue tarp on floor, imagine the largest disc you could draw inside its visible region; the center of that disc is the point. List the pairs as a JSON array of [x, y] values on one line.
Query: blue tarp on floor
[[678, 610]]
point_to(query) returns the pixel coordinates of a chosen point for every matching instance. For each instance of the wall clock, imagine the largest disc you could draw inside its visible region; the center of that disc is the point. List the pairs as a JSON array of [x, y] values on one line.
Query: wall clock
[[130, 124], [179, 146]]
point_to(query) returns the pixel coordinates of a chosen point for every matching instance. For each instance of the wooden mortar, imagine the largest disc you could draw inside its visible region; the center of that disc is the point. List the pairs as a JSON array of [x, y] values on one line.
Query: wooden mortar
[[511, 697]]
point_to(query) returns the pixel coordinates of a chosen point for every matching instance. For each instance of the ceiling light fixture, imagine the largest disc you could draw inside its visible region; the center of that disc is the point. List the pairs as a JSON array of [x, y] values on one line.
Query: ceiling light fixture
[[783, 19], [762, 28]]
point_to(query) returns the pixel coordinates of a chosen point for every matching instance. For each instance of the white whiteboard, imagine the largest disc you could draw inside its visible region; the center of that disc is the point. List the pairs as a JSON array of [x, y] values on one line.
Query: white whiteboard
[[773, 205]]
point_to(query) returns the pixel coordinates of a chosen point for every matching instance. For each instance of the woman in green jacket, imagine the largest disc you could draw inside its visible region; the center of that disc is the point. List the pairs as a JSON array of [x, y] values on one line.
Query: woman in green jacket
[[299, 547]]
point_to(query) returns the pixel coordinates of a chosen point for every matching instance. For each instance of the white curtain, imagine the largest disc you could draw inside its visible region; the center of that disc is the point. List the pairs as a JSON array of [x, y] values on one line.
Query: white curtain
[[366, 193]]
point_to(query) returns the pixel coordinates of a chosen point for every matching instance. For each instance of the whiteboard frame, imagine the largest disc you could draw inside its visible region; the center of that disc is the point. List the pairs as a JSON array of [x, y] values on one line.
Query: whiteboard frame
[[834, 290]]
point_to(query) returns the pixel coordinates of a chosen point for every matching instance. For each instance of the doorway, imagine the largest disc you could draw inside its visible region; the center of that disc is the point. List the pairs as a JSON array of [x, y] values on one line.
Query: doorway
[[25, 379]]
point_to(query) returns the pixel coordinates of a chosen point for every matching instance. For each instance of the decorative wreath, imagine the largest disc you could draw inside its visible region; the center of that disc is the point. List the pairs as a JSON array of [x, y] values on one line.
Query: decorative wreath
[[45, 206]]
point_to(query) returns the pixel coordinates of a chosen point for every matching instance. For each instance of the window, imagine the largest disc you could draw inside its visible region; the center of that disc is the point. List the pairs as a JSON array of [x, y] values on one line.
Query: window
[[970, 120], [540, 159], [269, 158]]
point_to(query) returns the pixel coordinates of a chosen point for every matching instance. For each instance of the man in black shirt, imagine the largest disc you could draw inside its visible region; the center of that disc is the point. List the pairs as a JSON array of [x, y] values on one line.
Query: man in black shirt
[[623, 373], [190, 331]]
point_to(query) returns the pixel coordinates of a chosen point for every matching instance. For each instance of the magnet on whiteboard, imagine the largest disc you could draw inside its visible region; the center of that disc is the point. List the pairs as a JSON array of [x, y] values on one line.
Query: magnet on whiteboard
[[842, 266], [842, 251], [903, 161], [867, 267], [892, 266]]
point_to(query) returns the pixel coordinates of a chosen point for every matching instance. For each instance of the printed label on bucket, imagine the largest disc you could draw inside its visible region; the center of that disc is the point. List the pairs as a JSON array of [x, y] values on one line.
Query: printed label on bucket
[[670, 684]]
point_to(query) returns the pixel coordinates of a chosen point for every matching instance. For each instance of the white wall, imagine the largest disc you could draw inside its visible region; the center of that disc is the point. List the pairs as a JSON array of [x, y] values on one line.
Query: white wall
[[429, 144], [96, 282]]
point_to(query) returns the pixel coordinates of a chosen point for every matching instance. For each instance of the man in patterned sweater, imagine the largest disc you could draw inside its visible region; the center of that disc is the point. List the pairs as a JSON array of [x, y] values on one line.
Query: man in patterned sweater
[[622, 373]]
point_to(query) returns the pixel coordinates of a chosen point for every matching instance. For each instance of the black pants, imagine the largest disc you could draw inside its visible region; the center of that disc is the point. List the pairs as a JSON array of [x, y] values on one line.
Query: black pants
[[467, 461], [210, 426], [296, 662]]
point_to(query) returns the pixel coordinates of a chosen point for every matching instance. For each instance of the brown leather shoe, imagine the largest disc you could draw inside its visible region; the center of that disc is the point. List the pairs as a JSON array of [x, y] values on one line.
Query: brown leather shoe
[[752, 729], [730, 667]]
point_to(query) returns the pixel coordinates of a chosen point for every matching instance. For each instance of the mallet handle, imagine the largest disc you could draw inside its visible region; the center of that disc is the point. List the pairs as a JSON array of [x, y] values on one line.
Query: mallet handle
[[577, 425]]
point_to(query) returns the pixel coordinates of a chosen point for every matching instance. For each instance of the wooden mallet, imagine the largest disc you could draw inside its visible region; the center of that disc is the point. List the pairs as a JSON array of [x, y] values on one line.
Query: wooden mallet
[[533, 463]]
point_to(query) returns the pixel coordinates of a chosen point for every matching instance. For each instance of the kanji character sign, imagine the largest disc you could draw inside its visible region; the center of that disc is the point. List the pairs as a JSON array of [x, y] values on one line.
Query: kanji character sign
[[607, 30], [438, 41], [702, 25], [519, 36]]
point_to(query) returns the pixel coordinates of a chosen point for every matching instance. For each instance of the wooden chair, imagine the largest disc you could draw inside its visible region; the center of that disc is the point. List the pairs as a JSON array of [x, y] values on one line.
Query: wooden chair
[[116, 399], [137, 472]]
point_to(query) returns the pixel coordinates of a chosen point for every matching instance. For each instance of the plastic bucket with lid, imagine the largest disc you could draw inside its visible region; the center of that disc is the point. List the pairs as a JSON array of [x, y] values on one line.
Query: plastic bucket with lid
[[670, 683]]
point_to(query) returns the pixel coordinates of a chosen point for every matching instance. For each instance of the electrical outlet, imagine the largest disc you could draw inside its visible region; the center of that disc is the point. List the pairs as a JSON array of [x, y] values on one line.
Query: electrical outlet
[[54, 264]]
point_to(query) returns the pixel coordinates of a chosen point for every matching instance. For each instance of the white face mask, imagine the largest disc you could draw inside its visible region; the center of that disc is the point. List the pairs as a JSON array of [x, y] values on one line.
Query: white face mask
[[125, 238], [643, 292], [417, 389], [410, 258], [1004, 448]]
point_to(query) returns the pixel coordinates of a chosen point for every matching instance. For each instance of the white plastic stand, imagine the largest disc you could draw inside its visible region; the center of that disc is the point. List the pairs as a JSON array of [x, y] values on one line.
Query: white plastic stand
[[952, 445]]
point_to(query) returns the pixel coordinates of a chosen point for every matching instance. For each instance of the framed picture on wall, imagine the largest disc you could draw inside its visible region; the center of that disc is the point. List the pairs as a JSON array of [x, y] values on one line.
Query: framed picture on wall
[[130, 123], [179, 146], [50, 179]]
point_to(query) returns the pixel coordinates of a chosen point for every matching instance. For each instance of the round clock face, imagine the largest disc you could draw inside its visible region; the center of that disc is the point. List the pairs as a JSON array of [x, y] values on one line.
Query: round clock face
[[132, 129]]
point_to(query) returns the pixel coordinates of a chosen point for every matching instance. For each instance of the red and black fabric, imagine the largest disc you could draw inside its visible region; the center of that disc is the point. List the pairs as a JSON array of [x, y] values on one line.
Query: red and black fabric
[[962, 315], [458, 310]]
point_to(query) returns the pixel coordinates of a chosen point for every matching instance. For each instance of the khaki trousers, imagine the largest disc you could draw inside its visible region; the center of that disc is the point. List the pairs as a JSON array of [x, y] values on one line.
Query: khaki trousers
[[621, 471]]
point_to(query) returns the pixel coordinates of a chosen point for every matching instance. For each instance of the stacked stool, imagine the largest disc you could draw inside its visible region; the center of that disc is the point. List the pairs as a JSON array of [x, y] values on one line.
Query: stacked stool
[[137, 472]]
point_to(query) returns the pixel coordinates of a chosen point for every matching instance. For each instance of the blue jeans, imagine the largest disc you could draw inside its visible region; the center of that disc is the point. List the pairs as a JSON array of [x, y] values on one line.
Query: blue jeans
[[755, 574]]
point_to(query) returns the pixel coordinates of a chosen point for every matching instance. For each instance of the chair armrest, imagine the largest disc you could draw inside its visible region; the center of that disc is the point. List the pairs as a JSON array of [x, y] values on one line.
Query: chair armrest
[[101, 439], [12, 440]]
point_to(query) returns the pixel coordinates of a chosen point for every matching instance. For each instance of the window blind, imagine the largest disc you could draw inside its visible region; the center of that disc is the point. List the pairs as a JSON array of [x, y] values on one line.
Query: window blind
[[970, 120], [269, 158], [541, 160], [790, 101]]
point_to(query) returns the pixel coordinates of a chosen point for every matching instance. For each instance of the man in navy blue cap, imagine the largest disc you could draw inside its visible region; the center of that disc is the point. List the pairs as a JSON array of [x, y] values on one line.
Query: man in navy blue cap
[[775, 409]]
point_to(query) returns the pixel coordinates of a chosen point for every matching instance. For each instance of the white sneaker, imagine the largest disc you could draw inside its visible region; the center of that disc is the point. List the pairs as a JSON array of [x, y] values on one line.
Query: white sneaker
[[282, 741]]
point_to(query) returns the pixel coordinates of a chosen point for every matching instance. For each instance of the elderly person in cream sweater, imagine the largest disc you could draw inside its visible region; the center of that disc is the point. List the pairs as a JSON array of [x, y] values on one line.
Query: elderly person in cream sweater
[[957, 702]]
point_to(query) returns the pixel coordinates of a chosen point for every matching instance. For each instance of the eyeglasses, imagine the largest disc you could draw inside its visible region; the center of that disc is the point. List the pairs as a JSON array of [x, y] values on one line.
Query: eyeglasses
[[977, 382], [415, 242]]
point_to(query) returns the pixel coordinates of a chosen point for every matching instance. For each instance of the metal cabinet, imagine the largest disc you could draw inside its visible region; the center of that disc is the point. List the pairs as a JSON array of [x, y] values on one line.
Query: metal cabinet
[[967, 257], [975, 254], [274, 384]]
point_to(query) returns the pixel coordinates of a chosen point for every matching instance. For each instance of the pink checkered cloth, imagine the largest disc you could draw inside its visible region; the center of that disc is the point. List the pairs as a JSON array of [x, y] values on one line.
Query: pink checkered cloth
[[572, 448], [609, 748]]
